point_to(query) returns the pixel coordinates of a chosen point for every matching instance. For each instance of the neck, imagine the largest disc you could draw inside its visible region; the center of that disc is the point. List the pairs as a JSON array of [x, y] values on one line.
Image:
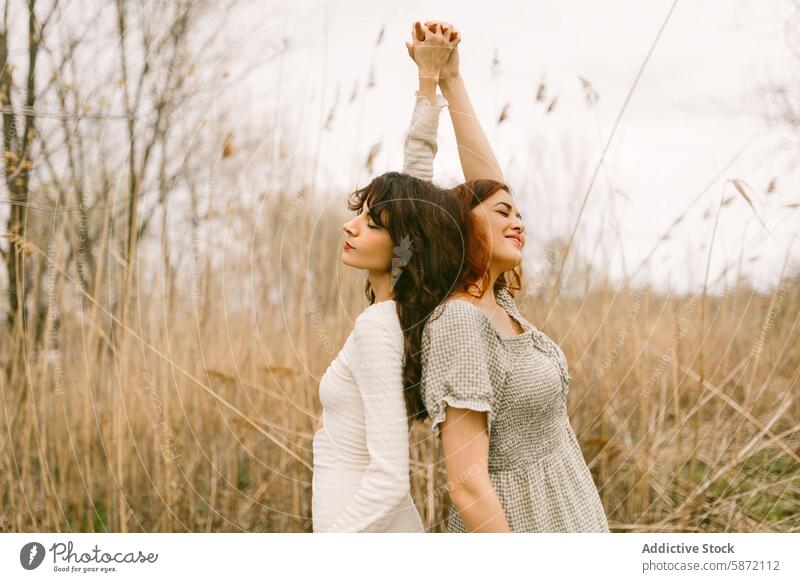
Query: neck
[[489, 298], [381, 284]]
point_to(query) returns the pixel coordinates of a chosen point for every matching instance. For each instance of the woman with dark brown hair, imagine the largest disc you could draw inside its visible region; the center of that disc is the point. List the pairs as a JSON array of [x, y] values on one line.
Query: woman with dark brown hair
[[495, 386], [403, 235]]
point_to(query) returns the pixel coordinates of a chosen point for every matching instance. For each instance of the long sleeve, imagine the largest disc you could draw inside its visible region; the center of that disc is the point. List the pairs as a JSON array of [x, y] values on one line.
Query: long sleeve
[[420, 142], [375, 360]]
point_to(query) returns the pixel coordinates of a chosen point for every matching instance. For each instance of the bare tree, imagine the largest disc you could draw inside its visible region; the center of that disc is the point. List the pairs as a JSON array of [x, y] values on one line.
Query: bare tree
[[67, 146], [19, 149]]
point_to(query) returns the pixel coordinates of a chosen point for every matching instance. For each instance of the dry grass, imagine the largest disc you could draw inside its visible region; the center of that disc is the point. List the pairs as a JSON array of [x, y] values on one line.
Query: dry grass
[[181, 394], [195, 412]]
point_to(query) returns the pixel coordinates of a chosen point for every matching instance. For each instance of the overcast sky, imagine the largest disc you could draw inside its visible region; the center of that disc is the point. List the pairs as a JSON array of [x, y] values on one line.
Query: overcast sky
[[697, 118]]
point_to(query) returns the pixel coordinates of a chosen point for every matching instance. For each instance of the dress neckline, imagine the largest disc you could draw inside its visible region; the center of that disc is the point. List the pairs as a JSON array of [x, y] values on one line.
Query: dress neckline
[[502, 297]]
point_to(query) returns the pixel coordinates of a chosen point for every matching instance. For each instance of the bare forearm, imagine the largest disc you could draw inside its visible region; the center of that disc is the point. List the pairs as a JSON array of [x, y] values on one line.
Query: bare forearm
[[477, 158], [427, 85], [480, 509]]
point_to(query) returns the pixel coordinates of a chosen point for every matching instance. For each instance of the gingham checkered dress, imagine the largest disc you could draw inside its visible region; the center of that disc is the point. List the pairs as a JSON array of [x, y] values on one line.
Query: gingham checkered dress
[[535, 462]]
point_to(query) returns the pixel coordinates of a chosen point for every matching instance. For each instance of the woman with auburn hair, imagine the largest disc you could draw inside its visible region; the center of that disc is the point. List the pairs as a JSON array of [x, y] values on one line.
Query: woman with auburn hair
[[361, 451], [495, 386]]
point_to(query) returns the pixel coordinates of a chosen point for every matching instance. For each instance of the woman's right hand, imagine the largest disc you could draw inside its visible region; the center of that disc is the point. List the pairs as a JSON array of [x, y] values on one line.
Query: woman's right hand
[[430, 48], [450, 67]]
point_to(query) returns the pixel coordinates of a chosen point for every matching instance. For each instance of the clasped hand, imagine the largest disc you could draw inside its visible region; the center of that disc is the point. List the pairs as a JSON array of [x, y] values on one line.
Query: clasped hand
[[434, 48]]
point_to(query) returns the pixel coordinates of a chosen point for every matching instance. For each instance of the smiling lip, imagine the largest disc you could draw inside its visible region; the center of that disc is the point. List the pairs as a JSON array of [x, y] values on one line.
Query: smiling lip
[[347, 246], [516, 238]]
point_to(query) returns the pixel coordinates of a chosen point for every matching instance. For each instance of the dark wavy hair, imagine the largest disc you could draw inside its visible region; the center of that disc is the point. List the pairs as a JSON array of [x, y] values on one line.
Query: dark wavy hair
[[474, 274], [427, 225], [442, 249]]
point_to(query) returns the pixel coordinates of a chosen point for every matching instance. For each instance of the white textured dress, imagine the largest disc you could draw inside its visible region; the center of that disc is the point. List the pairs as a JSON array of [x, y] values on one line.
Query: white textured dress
[[361, 455]]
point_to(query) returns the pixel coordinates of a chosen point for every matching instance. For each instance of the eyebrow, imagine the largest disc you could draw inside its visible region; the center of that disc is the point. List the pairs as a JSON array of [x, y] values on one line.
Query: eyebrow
[[509, 208]]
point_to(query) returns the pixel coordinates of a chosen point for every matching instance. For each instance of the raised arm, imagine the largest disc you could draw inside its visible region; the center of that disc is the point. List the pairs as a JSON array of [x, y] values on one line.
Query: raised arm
[[477, 158], [421, 145], [429, 50]]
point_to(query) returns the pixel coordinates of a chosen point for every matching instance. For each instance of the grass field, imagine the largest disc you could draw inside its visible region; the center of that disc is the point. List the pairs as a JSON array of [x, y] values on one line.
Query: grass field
[[194, 409]]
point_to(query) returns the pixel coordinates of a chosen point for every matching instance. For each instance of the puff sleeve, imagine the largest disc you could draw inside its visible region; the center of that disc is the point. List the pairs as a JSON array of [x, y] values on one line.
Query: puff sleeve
[[455, 367]]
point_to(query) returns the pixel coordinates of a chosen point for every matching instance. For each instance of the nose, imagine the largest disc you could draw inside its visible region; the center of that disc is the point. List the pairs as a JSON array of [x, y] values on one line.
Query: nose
[[348, 227]]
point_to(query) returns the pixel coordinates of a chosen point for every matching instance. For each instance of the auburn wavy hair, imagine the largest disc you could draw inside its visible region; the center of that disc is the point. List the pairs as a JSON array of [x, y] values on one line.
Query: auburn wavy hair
[[475, 277]]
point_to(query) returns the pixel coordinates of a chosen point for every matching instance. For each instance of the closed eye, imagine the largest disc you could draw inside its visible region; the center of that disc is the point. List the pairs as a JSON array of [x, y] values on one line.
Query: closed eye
[[505, 209]]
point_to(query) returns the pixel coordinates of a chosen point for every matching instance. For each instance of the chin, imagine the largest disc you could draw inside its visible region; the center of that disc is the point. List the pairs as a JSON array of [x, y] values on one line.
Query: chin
[[515, 256], [353, 264], [509, 262]]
